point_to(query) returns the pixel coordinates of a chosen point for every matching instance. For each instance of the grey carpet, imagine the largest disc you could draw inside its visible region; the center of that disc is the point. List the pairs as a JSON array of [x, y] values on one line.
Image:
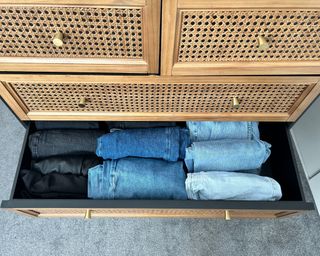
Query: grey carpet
[[19, 235]]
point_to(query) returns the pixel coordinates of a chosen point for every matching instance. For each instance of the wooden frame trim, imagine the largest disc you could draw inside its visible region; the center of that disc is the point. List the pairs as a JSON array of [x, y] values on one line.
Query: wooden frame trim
[[155, 79], [75, 2], [110, 68], [119, 116], [312, 95], [245, 68], [24, 212], [154, 213], [152, 30], [248, 4], [20, 110], [169, 20]]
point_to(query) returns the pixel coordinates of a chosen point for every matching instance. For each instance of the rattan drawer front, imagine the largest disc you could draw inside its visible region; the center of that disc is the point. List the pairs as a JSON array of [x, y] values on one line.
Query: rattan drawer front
[[110, 35], [159, 98], [158, 213], [245, 40], [232, 35]]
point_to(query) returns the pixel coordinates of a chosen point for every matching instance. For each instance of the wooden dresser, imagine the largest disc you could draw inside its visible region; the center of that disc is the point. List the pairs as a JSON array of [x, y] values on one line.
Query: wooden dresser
[[162, 60]]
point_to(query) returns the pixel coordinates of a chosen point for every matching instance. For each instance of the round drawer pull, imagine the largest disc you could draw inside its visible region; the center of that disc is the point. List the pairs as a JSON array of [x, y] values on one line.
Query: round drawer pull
[[58, 39], [82, 102], [227, 215], [263, 43], [87, 214], [235, 102]]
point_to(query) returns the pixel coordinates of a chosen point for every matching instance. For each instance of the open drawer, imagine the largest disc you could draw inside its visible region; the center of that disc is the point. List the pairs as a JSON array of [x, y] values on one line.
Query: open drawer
[[157, 98], [280, 166]]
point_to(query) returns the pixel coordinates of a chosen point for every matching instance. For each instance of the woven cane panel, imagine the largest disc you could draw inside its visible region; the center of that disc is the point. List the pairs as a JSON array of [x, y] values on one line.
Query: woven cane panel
[[232, 35], [88, 32], [154, 98]]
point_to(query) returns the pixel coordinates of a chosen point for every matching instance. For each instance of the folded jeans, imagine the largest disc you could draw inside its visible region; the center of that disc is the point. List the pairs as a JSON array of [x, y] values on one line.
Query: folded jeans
[[78, 164], [167, 143], [226, 155], [136, 125], [231, 186], [53, 185], [137, 178], [207, 130], [46, 143], [53, 125]]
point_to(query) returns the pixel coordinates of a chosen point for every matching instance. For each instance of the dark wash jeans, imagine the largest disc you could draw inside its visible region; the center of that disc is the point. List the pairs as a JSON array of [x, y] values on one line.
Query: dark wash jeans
[[168, 143]]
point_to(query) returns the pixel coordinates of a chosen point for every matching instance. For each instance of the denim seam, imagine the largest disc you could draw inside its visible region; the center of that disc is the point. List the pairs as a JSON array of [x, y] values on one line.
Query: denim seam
[[195, 131], [167, 143], [113, 178], [37, 141], [189, 186], [273, 187], [250, 133]]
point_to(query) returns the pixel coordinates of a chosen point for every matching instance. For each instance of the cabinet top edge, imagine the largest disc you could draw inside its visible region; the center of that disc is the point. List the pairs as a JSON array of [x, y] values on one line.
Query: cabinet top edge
[[154, 79], [248, 4], [124, 3]]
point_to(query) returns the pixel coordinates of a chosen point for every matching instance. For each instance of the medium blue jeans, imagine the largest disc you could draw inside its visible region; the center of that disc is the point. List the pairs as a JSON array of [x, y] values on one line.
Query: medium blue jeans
[[167, 143], [231, 186], [203, 131], [48, 143], [135, 125], [226, 155], [137, 178]]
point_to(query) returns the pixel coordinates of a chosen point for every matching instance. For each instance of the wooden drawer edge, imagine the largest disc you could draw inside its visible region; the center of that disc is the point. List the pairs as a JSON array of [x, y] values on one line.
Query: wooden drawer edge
[[133, 116], [246, 68], [153, 213]]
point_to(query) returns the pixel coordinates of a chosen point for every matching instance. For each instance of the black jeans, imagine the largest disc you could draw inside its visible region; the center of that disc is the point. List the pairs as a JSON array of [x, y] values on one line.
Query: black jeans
[[48, 143]]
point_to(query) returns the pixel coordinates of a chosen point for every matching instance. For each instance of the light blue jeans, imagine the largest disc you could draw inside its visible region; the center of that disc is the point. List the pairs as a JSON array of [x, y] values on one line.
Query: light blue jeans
[[231, 186], [168, 143], [227, 155], [137, 178], [203, 131]]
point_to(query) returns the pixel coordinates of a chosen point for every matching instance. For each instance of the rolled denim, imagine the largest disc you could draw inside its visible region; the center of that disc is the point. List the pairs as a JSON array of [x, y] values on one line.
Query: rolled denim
[[167, 143], [203, 131], [45, 125], [136, 125], [231, 186], [137, 178], [78, 165], [226, 155], [48, 143]]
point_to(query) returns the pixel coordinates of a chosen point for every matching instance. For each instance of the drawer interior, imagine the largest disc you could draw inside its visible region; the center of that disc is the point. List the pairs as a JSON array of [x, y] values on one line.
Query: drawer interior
[[279, 166]]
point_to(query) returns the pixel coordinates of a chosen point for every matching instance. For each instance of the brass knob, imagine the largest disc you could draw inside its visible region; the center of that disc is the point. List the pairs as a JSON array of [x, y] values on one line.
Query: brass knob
[[227, 215], [82, 102], [58, 39], [235, 102], [263, 43], [87, 215]]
